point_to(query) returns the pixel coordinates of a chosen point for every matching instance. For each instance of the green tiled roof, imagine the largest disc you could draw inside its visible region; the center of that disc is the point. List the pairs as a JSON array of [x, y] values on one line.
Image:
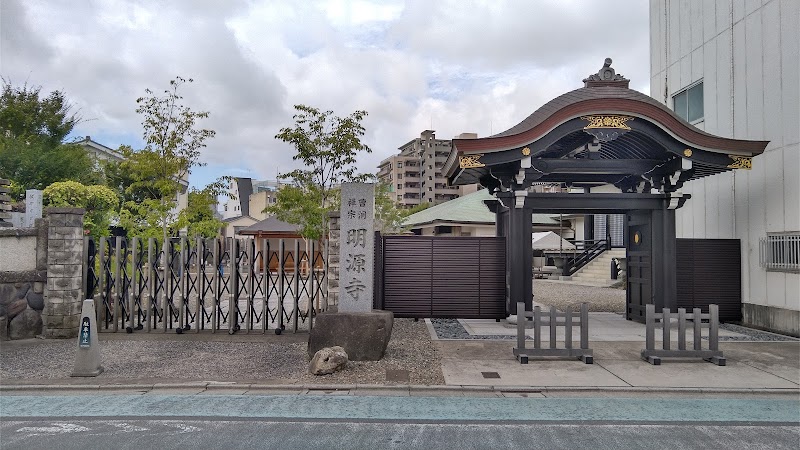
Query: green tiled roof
[[467, 209]]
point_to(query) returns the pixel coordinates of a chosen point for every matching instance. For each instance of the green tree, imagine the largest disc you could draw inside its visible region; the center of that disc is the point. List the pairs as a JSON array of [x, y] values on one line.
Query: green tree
[[327, 146], [389, 217], [154, 176], [34, 128], [198, 217], [100, 203]]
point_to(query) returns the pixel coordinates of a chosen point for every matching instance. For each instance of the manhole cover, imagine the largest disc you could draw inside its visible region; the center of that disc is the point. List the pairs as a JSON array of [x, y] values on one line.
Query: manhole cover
[[490, 374], [398, 375]]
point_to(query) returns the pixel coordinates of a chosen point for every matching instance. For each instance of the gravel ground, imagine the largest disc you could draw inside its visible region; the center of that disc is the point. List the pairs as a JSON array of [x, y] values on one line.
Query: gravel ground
[[561, 295], [410, 348]]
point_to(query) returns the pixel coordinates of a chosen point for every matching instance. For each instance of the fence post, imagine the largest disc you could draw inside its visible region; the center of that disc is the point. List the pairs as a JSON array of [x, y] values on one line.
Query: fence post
[[117, 271], [650, 326], [553, 322], [666, 322], [584, 325], [151, 280], [296, 280], [251, 282], [312, 296], [265, 284], [568, 327], [281, 285], [233, 288], [521, 319], [681, 328], [215, 287], [165, 279], [134, 287], [698, 323], [713, 327], [537, 326], [200, 252]]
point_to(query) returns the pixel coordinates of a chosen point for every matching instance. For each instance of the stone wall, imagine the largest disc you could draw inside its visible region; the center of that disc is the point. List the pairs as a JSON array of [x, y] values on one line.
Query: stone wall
[[23, 273], [333, 258], [41, 277], [64, 289]]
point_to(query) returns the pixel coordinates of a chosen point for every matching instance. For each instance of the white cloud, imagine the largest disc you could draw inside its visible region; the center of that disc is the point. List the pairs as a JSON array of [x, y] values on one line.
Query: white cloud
[[455, 66]]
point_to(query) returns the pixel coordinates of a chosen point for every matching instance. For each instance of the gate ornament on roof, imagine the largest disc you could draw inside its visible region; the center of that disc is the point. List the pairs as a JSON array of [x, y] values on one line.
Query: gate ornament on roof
[[606, 128], [470, 161], [740, 162], [606, 76]]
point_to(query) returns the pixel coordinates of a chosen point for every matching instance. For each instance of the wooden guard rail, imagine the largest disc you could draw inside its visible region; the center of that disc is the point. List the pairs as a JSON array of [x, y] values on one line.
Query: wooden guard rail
[[653, 355], [553, 320]]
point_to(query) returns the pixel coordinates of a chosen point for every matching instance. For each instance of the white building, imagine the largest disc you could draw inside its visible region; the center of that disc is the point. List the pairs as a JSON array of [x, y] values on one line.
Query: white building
[[249, 197], [732, 68]]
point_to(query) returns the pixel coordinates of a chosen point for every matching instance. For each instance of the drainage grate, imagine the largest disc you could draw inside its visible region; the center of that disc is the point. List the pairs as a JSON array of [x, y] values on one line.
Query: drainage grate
[[397, 375], [490, 374]]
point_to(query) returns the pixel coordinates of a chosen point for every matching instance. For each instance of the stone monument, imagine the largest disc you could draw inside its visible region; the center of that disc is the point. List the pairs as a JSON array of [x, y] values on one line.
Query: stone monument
[[363, 332], [33, 207], [356, 247]]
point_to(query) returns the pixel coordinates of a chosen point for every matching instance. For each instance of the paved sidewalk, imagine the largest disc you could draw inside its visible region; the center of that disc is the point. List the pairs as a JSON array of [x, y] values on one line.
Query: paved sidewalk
[[487, 368], [617, 344]]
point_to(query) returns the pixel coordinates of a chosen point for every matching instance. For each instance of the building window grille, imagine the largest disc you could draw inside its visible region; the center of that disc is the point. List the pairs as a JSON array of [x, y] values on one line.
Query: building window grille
[[780, 252], [688, 103]]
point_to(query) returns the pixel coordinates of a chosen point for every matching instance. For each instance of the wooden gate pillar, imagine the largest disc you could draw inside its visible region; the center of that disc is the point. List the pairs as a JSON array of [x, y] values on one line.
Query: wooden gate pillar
[[651, 260], [519, 259]]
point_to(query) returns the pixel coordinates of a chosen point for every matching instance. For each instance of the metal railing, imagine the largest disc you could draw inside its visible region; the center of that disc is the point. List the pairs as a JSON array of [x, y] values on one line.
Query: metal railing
[[216, 284], [552, 321], [590, 250], [780, 252], [699, 320]]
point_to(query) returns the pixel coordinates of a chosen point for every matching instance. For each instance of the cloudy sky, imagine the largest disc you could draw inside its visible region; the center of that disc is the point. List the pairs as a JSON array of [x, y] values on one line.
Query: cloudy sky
[[451, 66]]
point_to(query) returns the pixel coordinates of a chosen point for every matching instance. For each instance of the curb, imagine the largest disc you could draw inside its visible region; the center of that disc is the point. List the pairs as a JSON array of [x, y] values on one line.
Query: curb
[[466, 390]]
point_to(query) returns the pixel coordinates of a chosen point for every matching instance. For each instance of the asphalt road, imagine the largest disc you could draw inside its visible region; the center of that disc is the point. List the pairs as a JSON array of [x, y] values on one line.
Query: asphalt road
[[190, 433], [71, 421]]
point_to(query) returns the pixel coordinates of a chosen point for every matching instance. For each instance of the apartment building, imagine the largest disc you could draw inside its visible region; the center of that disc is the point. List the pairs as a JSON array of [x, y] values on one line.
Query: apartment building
[[415, 174]]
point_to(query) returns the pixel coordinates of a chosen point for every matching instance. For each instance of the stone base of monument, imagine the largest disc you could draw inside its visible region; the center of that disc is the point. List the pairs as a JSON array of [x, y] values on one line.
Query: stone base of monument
[[363, 335]]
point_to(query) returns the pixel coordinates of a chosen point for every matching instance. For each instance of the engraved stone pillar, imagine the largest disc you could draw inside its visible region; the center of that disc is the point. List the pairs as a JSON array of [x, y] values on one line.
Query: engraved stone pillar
[[356, 247]]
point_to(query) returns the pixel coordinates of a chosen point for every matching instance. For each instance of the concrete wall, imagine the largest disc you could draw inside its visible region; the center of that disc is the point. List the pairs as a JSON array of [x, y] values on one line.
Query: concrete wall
[[746, 54], [23, 272]]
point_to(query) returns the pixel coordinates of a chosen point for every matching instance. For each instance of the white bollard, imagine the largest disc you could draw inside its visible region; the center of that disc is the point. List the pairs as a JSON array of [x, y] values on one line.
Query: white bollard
[[87, 356]]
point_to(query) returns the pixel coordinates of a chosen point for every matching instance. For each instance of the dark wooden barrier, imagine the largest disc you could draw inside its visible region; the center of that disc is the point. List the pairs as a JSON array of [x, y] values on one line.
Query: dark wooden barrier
[[709, 271], [444, 277]]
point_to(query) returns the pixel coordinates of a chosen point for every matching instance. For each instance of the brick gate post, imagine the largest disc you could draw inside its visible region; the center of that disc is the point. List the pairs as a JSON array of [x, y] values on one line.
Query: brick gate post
[[63, 295]]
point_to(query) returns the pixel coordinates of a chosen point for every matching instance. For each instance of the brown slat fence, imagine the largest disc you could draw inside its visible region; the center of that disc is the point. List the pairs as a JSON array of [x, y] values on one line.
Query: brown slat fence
[[709, 271], [443, 277]]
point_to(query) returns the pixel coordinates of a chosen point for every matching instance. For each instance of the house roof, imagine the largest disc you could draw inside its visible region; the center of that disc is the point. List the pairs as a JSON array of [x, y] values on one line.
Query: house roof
[[550, 241], [97, 147], [467, 209], [237, 218], [271, 225]]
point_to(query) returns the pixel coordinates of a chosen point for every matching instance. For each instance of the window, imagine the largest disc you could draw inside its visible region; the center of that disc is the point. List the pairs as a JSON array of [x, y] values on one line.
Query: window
[[780, 252], [399, 176], [399, 164], [688, 104], [399, 185]]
